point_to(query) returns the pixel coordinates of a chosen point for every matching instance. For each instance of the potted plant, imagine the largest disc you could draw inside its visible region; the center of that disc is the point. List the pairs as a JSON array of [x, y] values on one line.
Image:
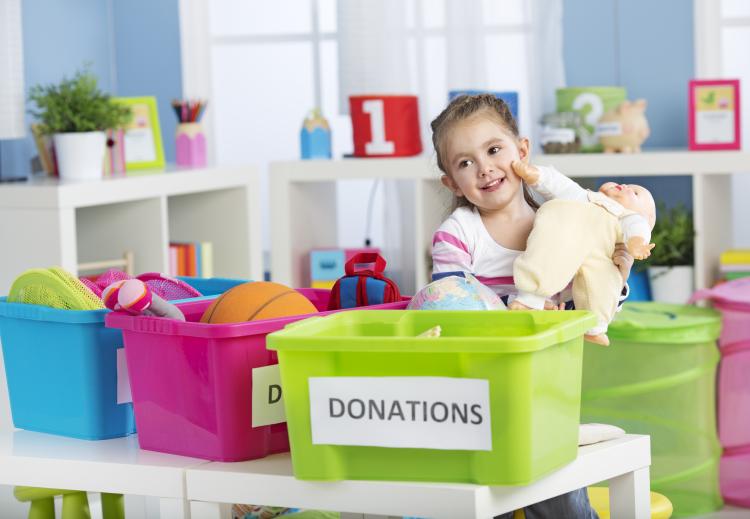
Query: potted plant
[[76, 114], [670, 266]]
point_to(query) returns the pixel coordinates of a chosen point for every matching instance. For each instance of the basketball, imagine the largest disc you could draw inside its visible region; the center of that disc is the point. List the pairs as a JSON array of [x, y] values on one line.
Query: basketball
[[257, 300]]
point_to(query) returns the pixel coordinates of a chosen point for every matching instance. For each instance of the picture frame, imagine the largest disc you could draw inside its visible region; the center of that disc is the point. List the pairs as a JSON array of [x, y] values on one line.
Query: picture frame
[[714, 114], [143, 142]]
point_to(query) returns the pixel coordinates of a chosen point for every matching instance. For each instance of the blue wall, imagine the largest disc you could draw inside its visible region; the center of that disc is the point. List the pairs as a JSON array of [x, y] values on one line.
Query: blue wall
[[646, 47], [147, 44], [133, 48]]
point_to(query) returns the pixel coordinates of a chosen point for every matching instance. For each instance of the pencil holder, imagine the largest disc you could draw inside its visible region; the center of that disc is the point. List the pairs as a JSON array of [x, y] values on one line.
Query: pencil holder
[[190, 146]]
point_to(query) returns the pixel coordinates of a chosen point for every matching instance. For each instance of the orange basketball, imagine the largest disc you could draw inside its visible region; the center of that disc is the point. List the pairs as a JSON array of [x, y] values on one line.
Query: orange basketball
[[257, 300]]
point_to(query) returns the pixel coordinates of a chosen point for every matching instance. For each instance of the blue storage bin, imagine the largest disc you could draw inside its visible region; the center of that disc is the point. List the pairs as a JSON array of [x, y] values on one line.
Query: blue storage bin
[[62, 367], [327, 265]]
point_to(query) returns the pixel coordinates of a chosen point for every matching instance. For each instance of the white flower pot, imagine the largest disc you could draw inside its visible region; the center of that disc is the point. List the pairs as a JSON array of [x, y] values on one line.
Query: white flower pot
[[80, 156], [671, 284]]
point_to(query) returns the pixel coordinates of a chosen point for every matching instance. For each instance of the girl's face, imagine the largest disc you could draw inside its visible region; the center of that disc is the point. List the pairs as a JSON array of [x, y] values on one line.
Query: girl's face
[[478, 160]]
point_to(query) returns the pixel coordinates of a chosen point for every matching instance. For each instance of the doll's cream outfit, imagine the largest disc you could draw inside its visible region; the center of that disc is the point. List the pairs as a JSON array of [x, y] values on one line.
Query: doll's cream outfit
[[574, 237]]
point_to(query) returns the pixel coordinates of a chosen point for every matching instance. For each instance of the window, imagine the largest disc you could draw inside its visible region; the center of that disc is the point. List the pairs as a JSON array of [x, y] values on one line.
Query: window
[[271, 62]]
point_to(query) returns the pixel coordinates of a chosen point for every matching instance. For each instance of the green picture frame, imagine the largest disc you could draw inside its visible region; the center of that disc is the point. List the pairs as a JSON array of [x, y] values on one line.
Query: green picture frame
[[143, 142]]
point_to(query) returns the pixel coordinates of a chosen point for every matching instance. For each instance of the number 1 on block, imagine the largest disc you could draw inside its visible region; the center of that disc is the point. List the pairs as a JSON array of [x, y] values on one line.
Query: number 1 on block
[[377, 145]]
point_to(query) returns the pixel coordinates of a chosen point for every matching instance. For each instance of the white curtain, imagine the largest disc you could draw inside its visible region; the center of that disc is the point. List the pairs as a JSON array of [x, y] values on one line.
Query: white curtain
[[546, 65], [374, 55], [373, 52], [12, 103]]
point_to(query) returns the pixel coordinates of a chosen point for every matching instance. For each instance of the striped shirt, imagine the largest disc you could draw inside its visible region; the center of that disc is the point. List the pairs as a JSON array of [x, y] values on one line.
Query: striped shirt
[[463, 244]]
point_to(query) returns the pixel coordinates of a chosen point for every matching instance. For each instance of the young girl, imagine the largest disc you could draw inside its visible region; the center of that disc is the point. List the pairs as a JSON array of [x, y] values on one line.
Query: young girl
[[476, 139]]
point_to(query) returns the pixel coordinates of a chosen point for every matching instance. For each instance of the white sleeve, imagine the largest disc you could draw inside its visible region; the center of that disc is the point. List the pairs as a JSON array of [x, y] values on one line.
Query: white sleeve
[[553, 184], [635, 225], [451, 247]]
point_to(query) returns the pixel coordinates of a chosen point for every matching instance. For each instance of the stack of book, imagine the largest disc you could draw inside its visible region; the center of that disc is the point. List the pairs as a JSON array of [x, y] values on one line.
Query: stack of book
[[734, 264], [191, 259]]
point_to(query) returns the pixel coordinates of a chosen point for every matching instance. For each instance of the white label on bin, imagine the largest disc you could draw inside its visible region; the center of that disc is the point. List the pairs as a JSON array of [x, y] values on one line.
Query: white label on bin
[[415, 412], [123, 381], [268, 402]]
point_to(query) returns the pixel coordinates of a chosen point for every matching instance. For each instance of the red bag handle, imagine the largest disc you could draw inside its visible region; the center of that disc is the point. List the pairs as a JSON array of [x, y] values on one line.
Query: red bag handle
[[365, 258]]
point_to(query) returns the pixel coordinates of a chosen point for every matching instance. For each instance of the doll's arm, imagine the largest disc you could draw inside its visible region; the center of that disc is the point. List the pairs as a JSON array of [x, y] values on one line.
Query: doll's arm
[[549, 182], [637, 233]]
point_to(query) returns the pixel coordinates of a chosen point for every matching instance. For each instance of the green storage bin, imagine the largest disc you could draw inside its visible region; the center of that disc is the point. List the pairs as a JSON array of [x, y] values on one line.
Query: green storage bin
[[658, 378], [591, 103], [529, 363]]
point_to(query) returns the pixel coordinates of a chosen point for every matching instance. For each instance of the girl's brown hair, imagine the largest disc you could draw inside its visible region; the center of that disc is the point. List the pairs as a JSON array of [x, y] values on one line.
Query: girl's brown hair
[[460, 109]]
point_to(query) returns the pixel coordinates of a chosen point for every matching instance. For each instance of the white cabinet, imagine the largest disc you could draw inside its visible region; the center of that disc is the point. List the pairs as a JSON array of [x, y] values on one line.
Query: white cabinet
[[48, 222], [303, 202]]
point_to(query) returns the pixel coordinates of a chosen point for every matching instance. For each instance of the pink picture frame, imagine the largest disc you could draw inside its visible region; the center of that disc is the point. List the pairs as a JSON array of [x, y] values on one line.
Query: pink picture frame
[[714, 114]]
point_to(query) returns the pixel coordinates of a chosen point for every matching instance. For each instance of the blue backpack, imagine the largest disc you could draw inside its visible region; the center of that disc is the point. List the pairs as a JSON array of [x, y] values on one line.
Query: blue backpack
[[363, 287]]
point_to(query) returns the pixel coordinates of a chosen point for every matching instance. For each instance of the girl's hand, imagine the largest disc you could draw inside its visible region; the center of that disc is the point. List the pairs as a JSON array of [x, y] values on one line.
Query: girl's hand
[[549, 305], [622, 260], [530, 174]]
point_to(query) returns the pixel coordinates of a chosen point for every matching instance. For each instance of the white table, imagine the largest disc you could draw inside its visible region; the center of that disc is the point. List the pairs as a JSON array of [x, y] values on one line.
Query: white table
[[116, 466], [624, 462]]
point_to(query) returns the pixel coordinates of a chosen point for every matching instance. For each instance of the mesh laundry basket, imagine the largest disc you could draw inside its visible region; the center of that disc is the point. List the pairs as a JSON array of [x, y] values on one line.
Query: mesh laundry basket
[[657, 378]]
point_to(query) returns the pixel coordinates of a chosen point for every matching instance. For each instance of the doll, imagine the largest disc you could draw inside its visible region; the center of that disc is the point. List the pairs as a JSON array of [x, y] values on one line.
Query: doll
[[574, 237]]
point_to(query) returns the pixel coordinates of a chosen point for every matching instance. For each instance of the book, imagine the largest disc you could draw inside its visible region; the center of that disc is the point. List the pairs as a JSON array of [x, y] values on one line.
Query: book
[[45, 149], [207, 259]]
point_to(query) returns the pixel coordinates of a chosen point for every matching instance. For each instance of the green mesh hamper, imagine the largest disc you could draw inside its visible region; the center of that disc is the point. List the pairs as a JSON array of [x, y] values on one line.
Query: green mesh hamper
[[658, 378]]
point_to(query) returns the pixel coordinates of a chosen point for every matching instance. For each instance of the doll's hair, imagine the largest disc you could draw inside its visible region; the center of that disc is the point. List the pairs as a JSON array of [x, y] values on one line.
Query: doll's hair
[[462, 108]]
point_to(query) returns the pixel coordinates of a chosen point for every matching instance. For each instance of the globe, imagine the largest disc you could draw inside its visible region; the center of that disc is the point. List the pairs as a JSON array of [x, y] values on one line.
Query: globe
[[456, 293]]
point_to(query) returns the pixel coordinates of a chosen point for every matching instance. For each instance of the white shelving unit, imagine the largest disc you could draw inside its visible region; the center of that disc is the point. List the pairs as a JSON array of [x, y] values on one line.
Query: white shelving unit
[[46, 222], [303, 202]]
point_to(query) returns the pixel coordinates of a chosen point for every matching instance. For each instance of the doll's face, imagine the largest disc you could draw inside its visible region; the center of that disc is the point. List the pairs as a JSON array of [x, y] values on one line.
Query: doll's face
[[633, 197]]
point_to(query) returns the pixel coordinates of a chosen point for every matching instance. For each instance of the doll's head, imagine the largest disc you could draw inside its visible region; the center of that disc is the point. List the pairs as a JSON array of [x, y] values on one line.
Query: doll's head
[[632, 196], [476, 139]]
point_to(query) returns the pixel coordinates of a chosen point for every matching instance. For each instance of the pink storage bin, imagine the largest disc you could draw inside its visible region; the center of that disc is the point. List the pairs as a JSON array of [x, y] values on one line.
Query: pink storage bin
[[732, 299], [192, 382], [734, 477]]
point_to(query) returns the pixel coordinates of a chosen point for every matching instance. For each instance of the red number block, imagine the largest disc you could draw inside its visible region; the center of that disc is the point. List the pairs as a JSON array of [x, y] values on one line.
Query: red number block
[[385, 126]]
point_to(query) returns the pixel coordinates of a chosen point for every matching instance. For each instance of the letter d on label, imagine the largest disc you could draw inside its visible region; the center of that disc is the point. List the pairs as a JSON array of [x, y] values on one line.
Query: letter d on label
[[341, 406], [274, 393]]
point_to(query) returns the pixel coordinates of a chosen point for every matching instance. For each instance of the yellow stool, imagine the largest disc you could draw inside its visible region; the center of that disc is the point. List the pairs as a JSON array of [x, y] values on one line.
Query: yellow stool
[[661, 507], [75, 503]]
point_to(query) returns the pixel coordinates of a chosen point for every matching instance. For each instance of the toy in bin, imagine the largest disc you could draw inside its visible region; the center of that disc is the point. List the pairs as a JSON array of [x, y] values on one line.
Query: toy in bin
[[256, 301], [135, 297], [456, 292], [363, 287]]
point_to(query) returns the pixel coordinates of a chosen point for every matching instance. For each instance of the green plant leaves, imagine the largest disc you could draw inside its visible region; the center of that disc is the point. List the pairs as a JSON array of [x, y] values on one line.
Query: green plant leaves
[[674, 237], [76, 105]]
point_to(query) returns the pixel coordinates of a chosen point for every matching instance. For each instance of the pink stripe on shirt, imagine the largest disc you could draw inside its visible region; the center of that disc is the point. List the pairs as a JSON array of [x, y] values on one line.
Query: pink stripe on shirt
[[449, 238], [505, 280]]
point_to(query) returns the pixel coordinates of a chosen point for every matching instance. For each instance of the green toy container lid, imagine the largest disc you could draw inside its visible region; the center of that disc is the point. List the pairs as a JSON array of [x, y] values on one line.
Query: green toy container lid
[[665, 323]]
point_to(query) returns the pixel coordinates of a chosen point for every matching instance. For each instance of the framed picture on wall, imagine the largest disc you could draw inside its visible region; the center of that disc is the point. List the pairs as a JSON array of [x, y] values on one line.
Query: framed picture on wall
[[714, 114], [143, 144]]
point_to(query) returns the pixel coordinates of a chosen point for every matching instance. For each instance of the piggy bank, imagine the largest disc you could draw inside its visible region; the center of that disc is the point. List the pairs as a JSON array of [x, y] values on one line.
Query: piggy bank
[[624, 129]]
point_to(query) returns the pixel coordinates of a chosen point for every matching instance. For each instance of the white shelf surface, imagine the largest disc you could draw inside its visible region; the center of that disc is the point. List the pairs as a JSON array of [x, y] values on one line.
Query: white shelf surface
[[117, 465], [271, 481]]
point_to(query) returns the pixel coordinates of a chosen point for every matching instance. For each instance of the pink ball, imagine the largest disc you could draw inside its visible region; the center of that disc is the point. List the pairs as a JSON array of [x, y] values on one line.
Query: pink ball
[[110, 293], [134, 296]]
